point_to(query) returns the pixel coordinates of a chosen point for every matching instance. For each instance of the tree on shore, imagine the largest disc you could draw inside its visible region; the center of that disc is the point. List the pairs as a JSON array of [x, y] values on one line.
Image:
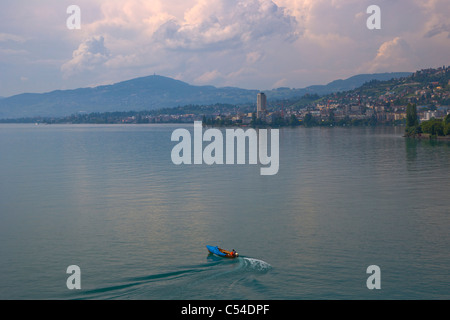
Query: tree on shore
[[447, 125], [411, 115], [309, 120], [293, 121], [435, 127], [412, 121]]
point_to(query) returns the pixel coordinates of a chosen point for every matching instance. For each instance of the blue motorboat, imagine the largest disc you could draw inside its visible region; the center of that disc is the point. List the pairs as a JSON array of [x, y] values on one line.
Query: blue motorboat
[[221, 252]]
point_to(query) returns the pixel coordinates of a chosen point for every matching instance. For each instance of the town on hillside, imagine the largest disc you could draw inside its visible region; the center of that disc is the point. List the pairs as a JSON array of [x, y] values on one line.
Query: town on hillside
[[374, 103]]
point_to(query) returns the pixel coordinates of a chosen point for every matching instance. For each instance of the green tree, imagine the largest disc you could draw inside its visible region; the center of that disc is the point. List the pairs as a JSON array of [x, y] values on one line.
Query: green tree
[[447, 119], [447, 129], [331, 117], [309, 120], [293, 121], [254, 120], [435, 127], [411, 115]]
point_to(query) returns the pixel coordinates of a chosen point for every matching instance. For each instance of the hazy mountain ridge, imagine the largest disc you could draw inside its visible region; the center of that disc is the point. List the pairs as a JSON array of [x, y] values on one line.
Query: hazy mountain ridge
[[155, 92], [334, 86]]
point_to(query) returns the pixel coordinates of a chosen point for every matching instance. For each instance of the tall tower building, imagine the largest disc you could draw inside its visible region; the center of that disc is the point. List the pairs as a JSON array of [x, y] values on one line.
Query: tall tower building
[[261, 105]]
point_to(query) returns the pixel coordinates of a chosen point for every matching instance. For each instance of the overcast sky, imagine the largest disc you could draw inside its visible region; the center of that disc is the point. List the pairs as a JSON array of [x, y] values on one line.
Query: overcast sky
[[253, 44]]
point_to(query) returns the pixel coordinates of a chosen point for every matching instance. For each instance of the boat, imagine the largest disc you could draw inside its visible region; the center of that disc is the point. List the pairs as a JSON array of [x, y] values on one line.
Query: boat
[[222, 252]]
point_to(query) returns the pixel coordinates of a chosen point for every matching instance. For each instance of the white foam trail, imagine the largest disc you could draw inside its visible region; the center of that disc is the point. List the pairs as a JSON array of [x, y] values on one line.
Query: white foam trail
[[257, 264]]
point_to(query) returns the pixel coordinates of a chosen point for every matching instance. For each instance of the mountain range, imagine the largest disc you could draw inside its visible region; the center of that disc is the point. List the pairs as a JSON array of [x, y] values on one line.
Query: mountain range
[[156, 92]]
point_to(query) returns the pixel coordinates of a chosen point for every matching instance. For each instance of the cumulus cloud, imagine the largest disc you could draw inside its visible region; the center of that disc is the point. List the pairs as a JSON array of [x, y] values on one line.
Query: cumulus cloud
[[217, 24], [197, 40], [392, 55], [241, 42], [90, 54]]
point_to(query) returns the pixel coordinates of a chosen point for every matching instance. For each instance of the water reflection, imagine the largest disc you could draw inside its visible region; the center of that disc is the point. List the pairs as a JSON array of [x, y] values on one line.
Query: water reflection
[[411, 150]]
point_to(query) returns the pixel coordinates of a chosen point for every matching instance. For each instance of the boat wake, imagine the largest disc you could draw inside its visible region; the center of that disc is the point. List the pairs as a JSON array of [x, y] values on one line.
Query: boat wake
[[218, 278], [255, 264]]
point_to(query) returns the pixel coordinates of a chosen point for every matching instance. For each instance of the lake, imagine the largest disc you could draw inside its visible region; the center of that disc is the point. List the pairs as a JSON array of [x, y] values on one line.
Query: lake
[[108, 199]]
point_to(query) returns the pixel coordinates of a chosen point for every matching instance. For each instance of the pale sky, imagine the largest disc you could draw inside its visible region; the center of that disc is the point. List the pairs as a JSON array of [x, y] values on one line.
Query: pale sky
[[253, 44]]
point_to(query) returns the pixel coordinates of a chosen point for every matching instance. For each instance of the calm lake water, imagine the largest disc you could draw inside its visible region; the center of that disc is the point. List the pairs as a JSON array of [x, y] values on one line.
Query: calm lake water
[[109, 199]]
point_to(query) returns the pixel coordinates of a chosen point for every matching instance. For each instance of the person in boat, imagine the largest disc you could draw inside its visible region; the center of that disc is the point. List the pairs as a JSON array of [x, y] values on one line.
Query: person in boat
[[233, 253]]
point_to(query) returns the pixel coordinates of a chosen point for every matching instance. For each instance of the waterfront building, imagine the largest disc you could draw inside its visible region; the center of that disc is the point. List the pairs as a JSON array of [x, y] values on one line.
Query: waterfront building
[[261, 109]]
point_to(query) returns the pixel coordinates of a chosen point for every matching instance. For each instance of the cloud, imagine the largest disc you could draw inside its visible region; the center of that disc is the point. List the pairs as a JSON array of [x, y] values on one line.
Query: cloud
[[90, 54], [436, 13], [253, 57], [4, 37], [13, 52], [217, 24], [196, 40], [438, 29], [280, 83], [255, 43], [208, 77], [393, 55]]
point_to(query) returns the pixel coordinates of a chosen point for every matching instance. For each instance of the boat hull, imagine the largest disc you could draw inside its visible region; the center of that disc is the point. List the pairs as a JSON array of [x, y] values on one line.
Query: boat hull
[[220, 252]]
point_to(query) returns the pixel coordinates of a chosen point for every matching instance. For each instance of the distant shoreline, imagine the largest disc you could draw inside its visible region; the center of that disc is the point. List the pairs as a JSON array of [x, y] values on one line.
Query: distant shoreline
[[427, 136]]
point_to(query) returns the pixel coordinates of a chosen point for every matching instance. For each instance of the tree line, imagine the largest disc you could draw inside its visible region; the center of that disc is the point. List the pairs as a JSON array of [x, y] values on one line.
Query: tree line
[[433, 127]]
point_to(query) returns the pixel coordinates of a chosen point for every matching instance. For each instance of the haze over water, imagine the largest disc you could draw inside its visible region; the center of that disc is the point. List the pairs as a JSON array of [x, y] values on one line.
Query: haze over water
[[110, 200]]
